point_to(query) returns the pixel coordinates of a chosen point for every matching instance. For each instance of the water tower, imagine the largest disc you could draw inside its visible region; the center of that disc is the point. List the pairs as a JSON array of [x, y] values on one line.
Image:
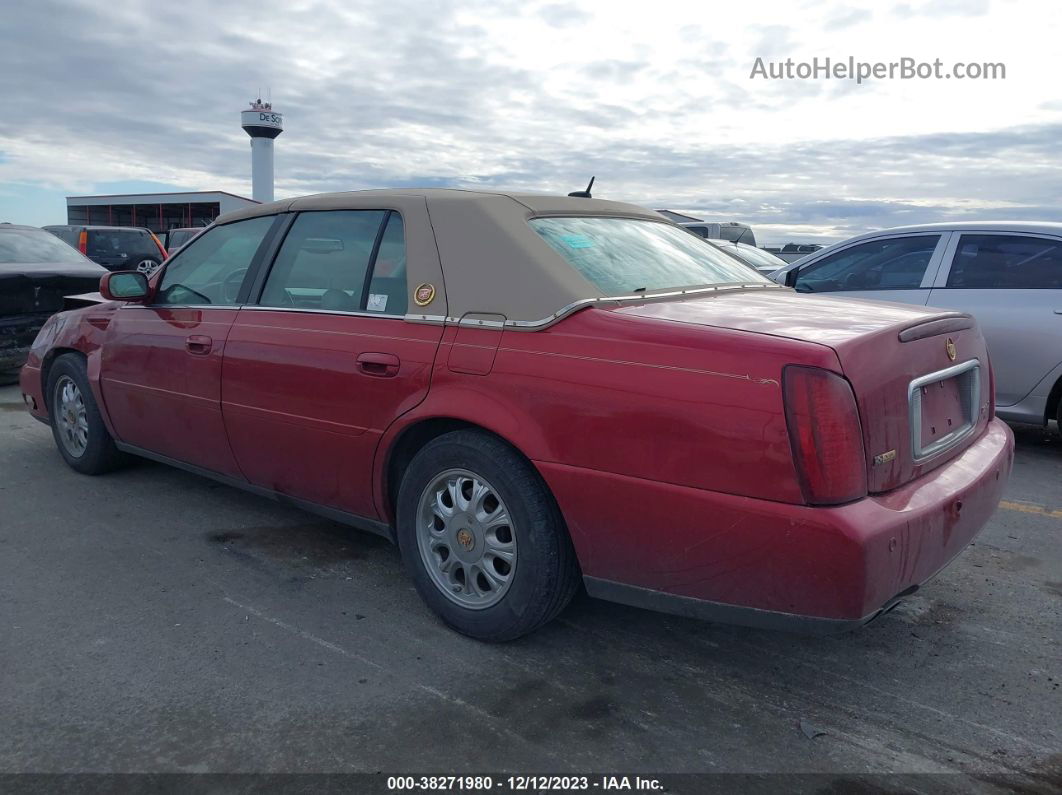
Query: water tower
[[263, 124]]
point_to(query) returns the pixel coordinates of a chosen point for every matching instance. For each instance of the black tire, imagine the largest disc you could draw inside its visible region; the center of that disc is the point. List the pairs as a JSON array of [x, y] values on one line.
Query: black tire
[[546, 575], [99, 455]]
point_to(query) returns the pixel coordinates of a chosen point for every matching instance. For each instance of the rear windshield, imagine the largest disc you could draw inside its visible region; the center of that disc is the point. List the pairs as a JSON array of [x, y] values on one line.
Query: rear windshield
[[624, 255], [114, 242], [35, 246]]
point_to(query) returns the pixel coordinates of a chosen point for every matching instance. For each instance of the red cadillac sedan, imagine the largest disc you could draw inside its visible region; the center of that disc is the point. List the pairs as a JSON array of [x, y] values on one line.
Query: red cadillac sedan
[[528, 393]]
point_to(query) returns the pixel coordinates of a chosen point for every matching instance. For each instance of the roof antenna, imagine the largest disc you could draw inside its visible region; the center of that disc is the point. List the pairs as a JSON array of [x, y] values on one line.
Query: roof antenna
[[584, 194]]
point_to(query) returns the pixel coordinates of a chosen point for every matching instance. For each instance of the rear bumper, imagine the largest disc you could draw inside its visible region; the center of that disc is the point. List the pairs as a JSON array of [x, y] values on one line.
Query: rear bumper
[[771, 564]]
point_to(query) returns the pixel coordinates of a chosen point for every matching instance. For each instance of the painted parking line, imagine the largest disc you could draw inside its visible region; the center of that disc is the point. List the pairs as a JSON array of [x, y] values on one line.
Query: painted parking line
[[1030, 507]]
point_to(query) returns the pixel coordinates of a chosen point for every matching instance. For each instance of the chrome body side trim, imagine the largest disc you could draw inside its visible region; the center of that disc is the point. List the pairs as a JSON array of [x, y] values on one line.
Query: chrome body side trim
[[560, 314]]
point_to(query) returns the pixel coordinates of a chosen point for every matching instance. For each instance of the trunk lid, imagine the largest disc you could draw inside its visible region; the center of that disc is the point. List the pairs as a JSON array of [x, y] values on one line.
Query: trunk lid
[[36, 288], [920, 375]]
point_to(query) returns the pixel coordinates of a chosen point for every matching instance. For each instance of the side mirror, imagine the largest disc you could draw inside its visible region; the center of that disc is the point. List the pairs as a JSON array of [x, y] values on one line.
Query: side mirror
[[791, 277], [124, 286]]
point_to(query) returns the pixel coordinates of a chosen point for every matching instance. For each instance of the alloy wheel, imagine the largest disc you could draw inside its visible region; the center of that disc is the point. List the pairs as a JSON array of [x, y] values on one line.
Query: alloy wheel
[[71, 416], [466, 539]]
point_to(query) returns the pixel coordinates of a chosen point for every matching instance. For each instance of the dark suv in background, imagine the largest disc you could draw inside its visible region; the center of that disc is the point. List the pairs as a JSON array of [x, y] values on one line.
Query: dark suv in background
[[117, 248]]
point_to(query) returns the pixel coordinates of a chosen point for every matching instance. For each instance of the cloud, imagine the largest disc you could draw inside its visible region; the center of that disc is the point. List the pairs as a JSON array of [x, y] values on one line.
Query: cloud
[[526, 95], [564, 15], [847, 19], [943, 8]]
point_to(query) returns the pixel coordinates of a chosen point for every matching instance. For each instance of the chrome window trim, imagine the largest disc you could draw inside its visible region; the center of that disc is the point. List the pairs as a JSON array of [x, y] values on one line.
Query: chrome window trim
[[914, 408], [560, 314], [131, 305], [312, 311], [257, 307], [515, 325]]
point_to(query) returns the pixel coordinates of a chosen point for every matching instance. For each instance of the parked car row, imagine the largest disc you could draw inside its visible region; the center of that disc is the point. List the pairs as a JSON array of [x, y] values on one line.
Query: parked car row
[[528, 393], [116, 248], [36, 272]]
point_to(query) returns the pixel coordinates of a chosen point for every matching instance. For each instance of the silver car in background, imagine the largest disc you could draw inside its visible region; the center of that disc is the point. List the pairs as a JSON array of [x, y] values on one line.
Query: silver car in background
[[1007, 275]]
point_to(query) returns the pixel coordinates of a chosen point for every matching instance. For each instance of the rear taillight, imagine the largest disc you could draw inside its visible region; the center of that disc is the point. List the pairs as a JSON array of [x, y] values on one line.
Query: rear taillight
[[825, 434], [82, 242], [158, 243]]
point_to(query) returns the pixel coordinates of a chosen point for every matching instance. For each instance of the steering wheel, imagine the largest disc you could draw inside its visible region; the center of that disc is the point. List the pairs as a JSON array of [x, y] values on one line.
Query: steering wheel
[[230, 286]]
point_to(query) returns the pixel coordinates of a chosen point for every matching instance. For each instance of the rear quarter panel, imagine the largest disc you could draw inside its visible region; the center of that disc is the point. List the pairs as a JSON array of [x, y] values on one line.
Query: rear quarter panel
[[639, 397]]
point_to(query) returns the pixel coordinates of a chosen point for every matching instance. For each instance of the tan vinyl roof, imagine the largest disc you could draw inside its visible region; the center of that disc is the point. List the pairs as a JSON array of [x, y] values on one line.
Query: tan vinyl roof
[[476, 247]]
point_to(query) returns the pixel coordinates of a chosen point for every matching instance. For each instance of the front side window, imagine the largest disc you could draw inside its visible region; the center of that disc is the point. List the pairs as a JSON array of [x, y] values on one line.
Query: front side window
[[211, 269], [621, 256], [897, 263], [1007, 262], [341, 261]]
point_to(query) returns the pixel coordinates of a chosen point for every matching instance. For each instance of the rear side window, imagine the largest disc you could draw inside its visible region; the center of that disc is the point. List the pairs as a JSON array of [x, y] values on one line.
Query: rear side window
[[897, 263], [211, 269], [341, 261], [1006, 262], [387, 289]]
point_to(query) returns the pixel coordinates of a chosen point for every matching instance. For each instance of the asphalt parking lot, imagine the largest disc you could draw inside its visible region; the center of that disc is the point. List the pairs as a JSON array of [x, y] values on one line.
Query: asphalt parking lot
[[154, 621]]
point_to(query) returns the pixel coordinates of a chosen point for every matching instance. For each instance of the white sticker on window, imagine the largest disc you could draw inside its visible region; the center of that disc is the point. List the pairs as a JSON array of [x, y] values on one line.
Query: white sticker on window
[[377, 302]]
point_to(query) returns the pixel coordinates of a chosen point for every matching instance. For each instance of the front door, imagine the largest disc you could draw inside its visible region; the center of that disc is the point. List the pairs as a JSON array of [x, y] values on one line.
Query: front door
[[160, 373], [320, 366]]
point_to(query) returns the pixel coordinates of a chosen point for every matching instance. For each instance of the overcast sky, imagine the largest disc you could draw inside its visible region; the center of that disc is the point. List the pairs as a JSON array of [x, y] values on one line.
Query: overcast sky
[[654, 98]]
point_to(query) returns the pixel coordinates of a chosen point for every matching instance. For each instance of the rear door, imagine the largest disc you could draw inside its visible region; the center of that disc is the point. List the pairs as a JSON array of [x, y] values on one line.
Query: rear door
[[161, 364], [1012, 284], [893, 268], [324, 361]]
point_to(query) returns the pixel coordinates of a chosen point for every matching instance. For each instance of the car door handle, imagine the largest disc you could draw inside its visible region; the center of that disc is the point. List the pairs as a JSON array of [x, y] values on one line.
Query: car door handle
[[381, 365], [198, 344]]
